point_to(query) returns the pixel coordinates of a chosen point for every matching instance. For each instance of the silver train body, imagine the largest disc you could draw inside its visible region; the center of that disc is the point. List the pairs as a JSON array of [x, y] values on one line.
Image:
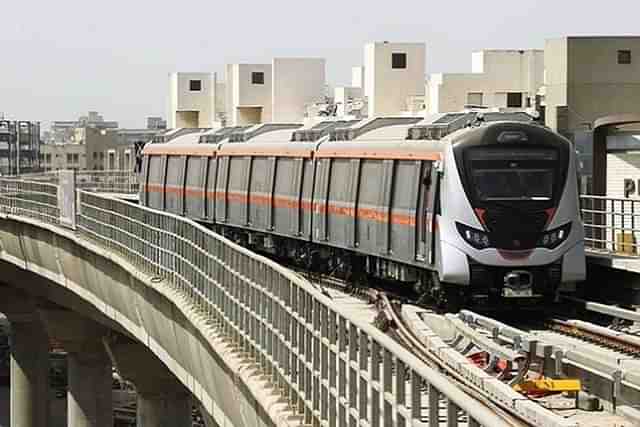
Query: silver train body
[[487, 211]]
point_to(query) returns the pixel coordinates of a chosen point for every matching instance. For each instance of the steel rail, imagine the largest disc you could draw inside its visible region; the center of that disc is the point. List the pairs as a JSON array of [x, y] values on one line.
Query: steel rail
[[419, 349]]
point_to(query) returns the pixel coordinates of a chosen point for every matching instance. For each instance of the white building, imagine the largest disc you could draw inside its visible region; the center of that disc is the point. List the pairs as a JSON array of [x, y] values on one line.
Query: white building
[[277, 92], [194, 100], [297, 83], [350, 98], [394, 73], [357, 77], [249, 88], [498, 78], [590, 77]]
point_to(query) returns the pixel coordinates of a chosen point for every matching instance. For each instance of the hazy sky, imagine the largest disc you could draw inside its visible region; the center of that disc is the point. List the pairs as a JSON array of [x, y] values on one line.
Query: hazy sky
[[59, 59]]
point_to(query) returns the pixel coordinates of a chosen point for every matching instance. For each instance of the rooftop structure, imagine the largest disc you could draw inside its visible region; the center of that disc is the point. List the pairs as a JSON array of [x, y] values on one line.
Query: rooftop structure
[[249, 93], [19, 147], [393, 73], [499, 78], [64, 131], [588, 78], [193, 100]]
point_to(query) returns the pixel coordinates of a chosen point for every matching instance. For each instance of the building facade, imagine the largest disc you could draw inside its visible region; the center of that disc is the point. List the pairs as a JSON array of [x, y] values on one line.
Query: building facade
[[393, 74], [65, 131], [194, 100], [590, 77], [297, 84], [19, 147], [100, 149], [249, 93], [498, 79]]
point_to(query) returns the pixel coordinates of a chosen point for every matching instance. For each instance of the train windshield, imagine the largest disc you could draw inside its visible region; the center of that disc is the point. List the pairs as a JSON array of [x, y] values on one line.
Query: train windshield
[[513, 174]]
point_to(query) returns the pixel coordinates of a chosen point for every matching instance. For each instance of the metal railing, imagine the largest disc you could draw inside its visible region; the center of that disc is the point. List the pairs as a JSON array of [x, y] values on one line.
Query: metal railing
[[36, 200], [109, 181], [113, 181], [333, 368], [611, 224]]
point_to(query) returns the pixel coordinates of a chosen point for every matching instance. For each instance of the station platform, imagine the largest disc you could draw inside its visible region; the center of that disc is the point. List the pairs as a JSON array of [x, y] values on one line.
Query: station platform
[[613, 277], [615, 261]]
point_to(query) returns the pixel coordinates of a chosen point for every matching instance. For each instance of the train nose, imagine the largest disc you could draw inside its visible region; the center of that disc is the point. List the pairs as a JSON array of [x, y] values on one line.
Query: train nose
[[518, 283]]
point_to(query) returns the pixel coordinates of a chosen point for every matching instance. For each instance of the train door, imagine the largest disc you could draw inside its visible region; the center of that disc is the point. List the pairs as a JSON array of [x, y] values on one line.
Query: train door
[[427, 213]]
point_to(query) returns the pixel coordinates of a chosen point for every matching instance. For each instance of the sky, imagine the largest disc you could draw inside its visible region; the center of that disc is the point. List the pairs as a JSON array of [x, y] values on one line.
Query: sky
[[60, 59]]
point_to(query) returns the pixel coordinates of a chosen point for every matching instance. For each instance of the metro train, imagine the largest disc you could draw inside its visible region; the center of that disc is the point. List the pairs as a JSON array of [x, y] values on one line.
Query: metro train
[[486, 213]]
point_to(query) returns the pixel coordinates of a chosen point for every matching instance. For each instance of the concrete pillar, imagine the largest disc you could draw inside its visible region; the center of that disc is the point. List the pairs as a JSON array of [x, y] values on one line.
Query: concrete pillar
[[162, 399], [208, 419], [89, 396], [90, 381], [29, 374], [29, 365], [163, 410]]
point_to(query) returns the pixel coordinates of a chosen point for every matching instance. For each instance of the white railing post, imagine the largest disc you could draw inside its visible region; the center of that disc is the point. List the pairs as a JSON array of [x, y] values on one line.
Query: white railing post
[[67, 198]]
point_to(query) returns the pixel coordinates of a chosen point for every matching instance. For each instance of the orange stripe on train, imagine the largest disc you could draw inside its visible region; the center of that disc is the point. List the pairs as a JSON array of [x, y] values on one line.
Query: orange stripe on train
[[378, 215]]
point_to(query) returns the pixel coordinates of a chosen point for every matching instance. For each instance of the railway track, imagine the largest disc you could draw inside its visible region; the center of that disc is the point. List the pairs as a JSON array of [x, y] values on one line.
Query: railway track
[[604, 360], [516, 352], [404, 333], [604, 337]]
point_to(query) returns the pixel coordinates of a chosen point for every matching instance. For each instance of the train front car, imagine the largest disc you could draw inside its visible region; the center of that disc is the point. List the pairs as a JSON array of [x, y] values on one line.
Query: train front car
[[510, 224]]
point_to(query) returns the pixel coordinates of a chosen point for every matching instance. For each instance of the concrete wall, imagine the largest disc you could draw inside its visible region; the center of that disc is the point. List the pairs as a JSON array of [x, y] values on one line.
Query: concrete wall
[[242, 93], [357, 77], [200, 106], [494, 74], [621, 166], [80, 276], [583, 74], [297, 82], [386, 88], [344, 95], [56, 156]]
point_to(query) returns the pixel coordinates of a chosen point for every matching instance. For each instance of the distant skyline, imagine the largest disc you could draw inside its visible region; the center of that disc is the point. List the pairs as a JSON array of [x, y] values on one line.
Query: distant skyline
[[62, 59]]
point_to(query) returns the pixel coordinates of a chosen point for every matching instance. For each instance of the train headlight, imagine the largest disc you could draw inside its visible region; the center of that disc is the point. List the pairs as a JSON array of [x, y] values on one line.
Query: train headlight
[[476, 238], [554, 238]]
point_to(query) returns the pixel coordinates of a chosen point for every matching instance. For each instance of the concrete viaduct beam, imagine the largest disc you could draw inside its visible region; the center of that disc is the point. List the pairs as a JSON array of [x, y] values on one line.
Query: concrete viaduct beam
[[163, 401], [90, 379], [29, 396]]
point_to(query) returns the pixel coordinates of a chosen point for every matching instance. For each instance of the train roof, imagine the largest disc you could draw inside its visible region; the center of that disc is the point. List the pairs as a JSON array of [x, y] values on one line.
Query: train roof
[[399, 150], [379, 137], [268, 149]]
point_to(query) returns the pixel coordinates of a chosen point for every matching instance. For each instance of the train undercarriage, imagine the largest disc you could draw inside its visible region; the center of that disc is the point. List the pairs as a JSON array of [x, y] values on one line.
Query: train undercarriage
[[421, 286]]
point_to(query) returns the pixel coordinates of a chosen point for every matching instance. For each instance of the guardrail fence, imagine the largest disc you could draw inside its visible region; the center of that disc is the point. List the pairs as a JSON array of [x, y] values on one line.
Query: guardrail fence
[[611, 224], [111, 181], [332, 368]]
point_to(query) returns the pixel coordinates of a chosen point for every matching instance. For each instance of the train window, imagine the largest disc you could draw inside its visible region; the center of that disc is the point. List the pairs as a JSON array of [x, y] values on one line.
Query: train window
[[513, 174], [624, 57], [174, 186], [259, 179], [193, 194], [371, 171], [155, 181], [405, 197], [211, 186], [307, 189], [398, 60], [338, 188], [257, 78], [194, 167], [514, 99], [514, 184], [236, 173], [285, 172], [195, 85]]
